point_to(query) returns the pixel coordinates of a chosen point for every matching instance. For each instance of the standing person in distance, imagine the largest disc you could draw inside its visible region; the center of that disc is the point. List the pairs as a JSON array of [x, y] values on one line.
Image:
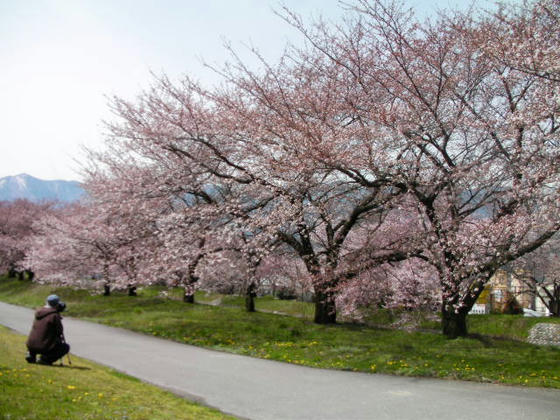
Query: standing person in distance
[[47, 335]]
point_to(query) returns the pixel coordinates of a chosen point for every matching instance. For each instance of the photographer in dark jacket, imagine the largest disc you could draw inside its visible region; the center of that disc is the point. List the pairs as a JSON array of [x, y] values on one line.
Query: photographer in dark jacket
[[47, 336]]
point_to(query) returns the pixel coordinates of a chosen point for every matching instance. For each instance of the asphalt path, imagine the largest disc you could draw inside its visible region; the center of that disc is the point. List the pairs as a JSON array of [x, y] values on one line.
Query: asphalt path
[[262, 389]]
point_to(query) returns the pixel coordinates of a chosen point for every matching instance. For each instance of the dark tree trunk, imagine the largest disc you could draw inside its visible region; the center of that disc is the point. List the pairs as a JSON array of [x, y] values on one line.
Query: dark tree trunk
[[554, 306], [132, 291], [454, 324], [188, 297], [555, 301], [250, 303], [12, 273], [250, 298], [325, 308], [107, 282], [30, 275]]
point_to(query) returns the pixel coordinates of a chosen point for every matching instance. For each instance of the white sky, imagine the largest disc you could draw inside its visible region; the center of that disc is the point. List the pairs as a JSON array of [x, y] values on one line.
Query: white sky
[[60, 58]]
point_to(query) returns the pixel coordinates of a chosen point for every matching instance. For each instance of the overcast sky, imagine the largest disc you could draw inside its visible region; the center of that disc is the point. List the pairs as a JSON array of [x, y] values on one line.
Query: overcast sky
[[61, 58]]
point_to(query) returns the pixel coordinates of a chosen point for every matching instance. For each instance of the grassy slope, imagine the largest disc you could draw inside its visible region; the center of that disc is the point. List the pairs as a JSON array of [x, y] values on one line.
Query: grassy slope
[[299, 341], [81, 391]]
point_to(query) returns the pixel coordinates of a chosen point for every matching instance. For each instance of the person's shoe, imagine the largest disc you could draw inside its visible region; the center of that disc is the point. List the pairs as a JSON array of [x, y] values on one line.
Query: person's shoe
[[41, 361], [30, 358]]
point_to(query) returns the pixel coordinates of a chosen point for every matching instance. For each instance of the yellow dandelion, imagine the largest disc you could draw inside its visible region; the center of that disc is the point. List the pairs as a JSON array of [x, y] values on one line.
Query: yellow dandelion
[[71, 387], [100, 395]]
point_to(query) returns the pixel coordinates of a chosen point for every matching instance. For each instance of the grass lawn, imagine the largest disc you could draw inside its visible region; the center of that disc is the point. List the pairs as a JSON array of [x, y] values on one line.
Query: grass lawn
[[299, 341], [81, 391], [295, 308]]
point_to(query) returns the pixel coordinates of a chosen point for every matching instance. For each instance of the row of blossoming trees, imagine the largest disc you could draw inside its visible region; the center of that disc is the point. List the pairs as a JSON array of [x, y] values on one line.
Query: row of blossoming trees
[[398, 161]]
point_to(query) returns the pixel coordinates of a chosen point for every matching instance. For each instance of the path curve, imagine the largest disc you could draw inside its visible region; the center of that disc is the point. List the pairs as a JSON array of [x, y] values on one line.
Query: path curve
[[261, 389]]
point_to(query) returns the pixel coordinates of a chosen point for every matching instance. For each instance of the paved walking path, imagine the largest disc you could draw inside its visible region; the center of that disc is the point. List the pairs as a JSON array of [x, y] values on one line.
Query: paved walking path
[[261, 389]]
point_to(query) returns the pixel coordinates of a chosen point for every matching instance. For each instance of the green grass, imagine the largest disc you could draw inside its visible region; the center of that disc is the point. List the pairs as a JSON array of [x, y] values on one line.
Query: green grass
[[506, 326], [81, 391], [264, 304], [299, 341], [297, 308]]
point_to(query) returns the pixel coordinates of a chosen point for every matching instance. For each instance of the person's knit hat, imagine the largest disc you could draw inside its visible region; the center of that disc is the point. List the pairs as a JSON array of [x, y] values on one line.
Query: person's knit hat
[[53, 300]]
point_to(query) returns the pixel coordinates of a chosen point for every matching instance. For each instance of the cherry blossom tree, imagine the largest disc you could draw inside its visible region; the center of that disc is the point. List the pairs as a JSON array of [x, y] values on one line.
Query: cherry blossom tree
[[411, 285], [16, 230], [473, 137], [539, 272], [56, 252], [231, 272], [73, 245], [133, 222], [278, 273], [283, 274]]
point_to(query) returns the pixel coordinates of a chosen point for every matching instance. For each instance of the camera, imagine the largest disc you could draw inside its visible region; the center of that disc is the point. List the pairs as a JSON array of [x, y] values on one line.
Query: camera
[[60, 307]]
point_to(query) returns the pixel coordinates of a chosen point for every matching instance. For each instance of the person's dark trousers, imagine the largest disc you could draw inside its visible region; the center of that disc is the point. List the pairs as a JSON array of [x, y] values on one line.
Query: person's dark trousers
[[57, 353], [31, 356]]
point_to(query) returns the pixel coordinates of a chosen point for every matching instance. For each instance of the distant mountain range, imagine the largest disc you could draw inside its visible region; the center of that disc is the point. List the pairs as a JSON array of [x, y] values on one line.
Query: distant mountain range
[[34, 189]]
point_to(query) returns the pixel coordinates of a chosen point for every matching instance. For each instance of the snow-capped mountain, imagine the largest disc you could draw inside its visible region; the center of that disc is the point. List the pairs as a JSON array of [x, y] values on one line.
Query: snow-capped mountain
[[34, 189]]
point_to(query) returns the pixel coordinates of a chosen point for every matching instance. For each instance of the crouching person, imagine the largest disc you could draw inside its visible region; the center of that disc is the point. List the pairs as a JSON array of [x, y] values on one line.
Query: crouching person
[[47, 336]]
